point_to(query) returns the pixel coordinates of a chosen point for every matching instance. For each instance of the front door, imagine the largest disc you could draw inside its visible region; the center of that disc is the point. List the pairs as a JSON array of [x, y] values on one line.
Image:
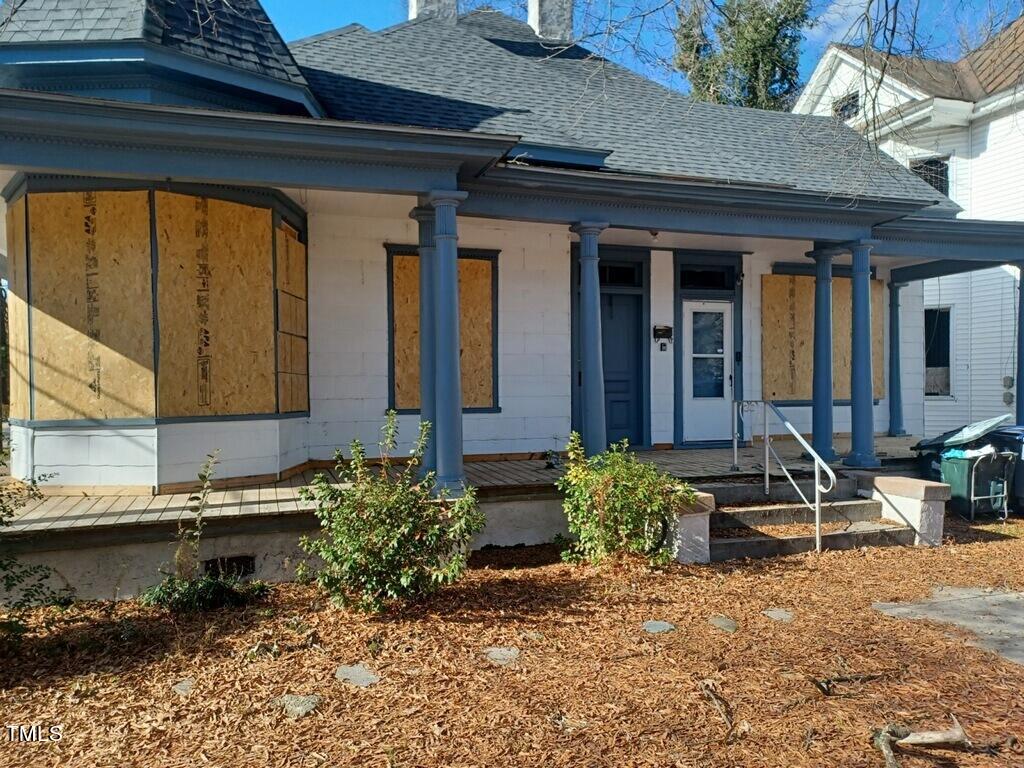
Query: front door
[[707, 370], [622, 336]]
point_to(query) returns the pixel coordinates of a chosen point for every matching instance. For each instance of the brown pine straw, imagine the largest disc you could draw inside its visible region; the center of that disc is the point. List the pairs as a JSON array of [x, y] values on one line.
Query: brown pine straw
[[589, 688]]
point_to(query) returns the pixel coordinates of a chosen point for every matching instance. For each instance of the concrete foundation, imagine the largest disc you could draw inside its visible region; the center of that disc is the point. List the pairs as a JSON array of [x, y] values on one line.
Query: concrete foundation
[[919, 504]]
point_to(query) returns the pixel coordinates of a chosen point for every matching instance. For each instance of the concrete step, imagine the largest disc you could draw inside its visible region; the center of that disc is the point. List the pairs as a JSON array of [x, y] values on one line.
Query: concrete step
[[734, 493], [767, 545], [846, 510]]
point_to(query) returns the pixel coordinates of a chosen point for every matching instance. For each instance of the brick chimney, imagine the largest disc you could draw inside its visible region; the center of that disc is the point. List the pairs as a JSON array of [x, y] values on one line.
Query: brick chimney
[[552, 19], [441, 9]]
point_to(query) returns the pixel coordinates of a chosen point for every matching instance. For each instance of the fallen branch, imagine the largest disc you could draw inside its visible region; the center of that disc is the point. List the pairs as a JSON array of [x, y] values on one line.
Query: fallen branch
[[893, 735], [710, 690], [828, 685]]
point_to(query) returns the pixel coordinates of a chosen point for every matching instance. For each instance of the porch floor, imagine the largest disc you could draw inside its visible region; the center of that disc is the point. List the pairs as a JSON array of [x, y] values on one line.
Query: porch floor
[[493, 479]]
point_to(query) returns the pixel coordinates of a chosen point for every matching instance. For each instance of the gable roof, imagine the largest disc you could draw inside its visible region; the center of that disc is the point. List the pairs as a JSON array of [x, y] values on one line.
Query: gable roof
[[491, 73], [993, 67], [237, 33]]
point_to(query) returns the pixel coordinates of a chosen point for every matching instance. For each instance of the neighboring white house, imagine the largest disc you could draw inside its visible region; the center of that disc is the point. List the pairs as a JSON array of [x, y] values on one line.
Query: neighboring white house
[[960, 126]]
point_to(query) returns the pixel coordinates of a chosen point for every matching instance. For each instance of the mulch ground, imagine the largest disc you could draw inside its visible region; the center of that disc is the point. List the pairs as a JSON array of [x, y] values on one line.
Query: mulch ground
[[590, 688]]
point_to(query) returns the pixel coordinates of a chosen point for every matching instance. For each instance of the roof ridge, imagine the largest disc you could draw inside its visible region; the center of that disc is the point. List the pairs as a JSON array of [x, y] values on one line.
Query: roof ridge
[[330, 33]]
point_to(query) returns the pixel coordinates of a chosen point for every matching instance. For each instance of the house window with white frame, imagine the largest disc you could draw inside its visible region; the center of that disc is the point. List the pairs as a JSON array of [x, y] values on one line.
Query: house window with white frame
[[937, 352]]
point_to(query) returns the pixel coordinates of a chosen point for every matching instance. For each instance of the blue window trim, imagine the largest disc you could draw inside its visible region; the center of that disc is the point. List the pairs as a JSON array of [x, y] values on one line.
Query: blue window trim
[[705, 258], [800, 269], [611, 254], [394, 249]]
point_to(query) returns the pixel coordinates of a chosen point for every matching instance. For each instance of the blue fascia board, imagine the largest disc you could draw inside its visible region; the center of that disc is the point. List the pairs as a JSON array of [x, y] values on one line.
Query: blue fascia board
[[932, 269], [550, 208], [704, 194], [576, 157], [59, 134], [137, 52], [948, 238]]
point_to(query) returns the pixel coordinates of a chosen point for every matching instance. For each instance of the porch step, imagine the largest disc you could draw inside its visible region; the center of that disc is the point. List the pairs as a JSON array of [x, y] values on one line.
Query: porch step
[[844, 511], [763, 544], [730, 494]]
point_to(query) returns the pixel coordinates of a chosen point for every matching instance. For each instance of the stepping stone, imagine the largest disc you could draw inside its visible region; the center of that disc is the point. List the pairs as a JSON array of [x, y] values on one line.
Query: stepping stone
[[501, 657], [296, 706], [184, 687], [724, 623], [658, 627], [778, 614], [358, 675]]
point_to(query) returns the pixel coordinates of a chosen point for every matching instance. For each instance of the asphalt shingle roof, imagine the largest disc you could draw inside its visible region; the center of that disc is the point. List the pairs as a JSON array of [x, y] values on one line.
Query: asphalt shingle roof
[[237, 33], [491, 73]]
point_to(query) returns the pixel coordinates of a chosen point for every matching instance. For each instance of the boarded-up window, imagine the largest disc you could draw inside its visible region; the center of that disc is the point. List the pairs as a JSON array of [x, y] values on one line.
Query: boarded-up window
[[92, 305], [477, 302], [216, 307], [787, 337], [292, 322]]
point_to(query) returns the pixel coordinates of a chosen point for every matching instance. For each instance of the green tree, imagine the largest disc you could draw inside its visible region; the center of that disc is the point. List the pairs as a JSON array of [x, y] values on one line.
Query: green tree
[[742, 52]]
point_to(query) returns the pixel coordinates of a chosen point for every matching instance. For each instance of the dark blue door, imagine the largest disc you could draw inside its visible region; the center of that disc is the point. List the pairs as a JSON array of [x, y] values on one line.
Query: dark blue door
[[621, 319]]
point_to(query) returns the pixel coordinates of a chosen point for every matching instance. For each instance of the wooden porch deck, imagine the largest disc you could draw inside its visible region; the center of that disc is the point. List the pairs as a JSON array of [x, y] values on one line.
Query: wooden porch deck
[[493, 479]]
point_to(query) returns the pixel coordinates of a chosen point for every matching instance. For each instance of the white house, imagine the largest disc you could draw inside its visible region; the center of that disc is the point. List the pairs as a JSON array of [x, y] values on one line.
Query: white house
[[960, 126]]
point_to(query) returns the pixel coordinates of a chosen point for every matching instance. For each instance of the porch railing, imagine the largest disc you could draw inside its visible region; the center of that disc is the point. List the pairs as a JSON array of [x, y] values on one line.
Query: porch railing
[[820, 465]]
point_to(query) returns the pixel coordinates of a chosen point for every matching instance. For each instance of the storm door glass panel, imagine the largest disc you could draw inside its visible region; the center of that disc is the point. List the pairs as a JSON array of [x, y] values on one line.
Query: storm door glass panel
[[708, 351]]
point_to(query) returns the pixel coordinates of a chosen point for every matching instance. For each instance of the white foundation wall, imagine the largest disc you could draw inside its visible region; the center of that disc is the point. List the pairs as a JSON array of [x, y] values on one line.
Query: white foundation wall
[[349, 324], [85, 456]]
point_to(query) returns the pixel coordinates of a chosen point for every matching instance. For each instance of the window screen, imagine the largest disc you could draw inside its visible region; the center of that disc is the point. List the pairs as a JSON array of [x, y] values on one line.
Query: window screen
[[937, 352], [935, 171], [847, 107]]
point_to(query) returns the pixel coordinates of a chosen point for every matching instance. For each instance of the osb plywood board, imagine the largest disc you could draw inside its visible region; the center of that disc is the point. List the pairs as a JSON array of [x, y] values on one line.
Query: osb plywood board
[[291, 263], [92, 308], [17, 311], [294, 392], [787, 337], [291, 354], [476, 331], [216, 301], [291, 314]]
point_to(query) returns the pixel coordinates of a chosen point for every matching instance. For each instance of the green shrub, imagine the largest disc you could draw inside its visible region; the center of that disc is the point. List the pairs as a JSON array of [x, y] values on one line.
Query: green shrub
[[617, 504], [386, 535], [185, 590], [203, 593], [22, 586]]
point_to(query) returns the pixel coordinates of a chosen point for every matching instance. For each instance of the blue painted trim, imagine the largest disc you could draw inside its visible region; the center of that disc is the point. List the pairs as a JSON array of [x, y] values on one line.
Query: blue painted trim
[[541, 154], [698, 445], [800, 270], [150, 422], [932, 269], [485, 254], [81, 55], [612, 254], [283, 205], [960, 239], [680, 259]]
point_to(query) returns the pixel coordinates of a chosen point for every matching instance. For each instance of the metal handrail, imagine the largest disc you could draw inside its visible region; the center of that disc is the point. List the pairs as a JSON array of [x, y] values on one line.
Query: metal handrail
[[820, 465]]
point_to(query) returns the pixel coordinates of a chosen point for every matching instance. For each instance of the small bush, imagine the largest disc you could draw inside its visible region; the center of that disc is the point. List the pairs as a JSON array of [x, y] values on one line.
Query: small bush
[[386, 536], [617, 504], [22, 586], [206, 593], [185, 591]]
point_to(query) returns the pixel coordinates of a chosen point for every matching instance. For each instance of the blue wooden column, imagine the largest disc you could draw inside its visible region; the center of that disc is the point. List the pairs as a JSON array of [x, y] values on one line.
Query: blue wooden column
[[595, 433], [448, 371], [821, 414], [861, 377], [424, 216], [895, 378], [1019, 399]]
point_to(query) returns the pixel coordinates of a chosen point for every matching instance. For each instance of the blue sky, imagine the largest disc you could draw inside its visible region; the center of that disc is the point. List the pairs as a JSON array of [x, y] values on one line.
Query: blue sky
[[940, 21]]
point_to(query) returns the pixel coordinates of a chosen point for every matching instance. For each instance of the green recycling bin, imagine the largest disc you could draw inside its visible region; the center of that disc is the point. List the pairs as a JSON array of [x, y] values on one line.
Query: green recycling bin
[[979, 484]]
